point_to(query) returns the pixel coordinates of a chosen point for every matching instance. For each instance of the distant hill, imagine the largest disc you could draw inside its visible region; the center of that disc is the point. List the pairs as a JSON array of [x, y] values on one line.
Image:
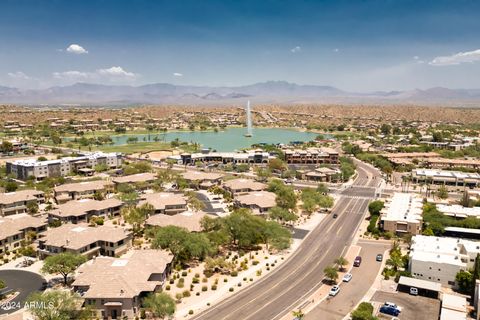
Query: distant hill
[[266, 92]]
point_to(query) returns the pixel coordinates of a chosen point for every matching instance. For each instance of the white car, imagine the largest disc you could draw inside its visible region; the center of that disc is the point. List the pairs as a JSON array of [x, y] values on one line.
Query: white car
[[392, 305], [347, 277], [334, 291]]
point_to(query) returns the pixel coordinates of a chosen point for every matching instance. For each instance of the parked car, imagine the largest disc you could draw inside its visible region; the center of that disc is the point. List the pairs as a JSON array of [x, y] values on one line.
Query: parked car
[[347, 277], [389, 310], [393, 305], [414, 291], [379, 257], [334, 291], [357, 261]]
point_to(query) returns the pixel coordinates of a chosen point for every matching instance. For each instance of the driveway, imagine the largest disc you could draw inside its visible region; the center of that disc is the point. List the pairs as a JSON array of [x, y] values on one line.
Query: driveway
[[24, 282], [352, 292], [209, 204], [413, 307]]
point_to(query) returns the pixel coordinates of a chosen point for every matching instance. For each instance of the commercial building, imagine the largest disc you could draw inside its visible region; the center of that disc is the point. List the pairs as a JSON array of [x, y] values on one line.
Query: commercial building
[[440, 259], [402, 214], [76, 211], [86, 240], [115, 287], [311, 156], [458, 211], [237, 186], [453, 307], [188, 220], [81, 190], [322, 174], [248, 157], [165, 202], [24, 169], [18, 202], [445, 177], [259, 202], [14, 229]]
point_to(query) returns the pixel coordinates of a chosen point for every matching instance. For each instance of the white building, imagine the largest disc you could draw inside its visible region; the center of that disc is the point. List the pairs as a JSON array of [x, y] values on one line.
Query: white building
[[458, 211], [445, 177], [402, 214], [23, 169], [440, 259]]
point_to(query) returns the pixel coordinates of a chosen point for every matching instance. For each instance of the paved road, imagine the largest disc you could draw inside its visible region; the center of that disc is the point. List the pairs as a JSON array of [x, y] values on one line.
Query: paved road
[[413, 307], [351, 293], [22, 281], [281, 291]]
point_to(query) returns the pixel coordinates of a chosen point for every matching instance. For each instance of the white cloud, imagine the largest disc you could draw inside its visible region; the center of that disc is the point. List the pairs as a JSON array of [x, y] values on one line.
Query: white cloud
[[108, 74], [296, 49], [71, 75], [76, 49], [177, 74], [336, 50], [18, 75], [116, 72], [455, 59]]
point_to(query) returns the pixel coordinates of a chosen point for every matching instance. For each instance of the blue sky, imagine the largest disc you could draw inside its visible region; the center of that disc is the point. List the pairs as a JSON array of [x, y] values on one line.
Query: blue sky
[[354, 45]]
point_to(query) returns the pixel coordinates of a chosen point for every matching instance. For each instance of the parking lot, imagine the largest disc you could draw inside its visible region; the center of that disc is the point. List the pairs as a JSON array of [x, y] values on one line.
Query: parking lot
[[413, 307], [21, 281]]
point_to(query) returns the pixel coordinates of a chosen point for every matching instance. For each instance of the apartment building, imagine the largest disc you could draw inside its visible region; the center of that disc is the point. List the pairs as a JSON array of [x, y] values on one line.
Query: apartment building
[[77, 211], [200, 179], [311, 156], [440, 259], [239, 186], [165, 202], [81, 190], [402, 214], [141, 180], [86, 240], [17, 202], [188, 220], [259, 202], [24, 169], [14, 229], [115, 287]]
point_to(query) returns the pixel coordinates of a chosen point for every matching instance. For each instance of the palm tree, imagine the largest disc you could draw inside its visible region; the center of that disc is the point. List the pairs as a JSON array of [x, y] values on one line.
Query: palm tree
[[331, 274], [298, 314], [341, 262]]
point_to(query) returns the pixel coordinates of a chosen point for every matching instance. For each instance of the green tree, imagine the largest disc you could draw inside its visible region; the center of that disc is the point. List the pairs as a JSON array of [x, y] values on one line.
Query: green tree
[[32, 207], [11, 186], [276, 235], [184, 245], [364, 311], [277, 164], [161, 304], [322, 188], [194, 202], [57, 305], [63, 263], [375, 207], [6, 146], [465, 281], [298, 314], [282, 215], [136, 216], [442, 192], [331, 274]]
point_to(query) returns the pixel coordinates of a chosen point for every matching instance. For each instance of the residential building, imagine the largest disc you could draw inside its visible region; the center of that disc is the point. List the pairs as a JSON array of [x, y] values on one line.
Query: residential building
[[440, 259], [402, 214], [322, 174], [454, 178], [165, 202], [200, 179], [115, 287], [259, 202], [24, 169], [18, 201], [81, 190], [238, 186], [86, 240], [76, 211], [14, 229], [188, 220], [311, 156], [141, 180]]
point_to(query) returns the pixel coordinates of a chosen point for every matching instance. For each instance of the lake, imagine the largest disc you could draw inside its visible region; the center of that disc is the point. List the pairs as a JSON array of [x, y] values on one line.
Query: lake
[[230, 139]]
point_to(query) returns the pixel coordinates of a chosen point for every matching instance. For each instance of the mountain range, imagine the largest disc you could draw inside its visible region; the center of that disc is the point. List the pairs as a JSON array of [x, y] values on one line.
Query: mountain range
[[264, 92]]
